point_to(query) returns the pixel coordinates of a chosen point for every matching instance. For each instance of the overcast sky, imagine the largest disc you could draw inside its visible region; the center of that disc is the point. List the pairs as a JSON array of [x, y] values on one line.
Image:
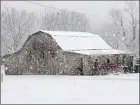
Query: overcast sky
[[95, 8]]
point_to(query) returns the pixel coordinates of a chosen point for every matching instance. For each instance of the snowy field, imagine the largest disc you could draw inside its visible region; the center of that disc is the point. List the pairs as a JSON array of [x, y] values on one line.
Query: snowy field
[[112, 89]]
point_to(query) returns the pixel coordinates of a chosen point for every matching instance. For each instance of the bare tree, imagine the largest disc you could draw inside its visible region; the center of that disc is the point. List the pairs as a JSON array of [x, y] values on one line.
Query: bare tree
[[118, 21], [119, 27], [63, 20], [126, 29], [15, 25], [131, 10]]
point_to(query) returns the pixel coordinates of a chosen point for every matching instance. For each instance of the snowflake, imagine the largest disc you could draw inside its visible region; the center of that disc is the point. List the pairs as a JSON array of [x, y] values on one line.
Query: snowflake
[[114, 35], [123, 38]]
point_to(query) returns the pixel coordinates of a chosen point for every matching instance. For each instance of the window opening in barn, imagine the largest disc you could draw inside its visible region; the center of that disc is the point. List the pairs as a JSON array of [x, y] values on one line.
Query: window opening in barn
[[81, 70], [53, 54], [30, 55], [108, 60], [80, 67], [42, 55], [117, 59], [131, 61], [95, 72]]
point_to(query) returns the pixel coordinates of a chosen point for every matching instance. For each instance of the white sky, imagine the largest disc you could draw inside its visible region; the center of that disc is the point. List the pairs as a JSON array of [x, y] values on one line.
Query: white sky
[[97, 8]]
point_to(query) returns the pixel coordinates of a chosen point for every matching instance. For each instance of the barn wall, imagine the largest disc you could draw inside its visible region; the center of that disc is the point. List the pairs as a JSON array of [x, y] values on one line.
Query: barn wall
[[73, 63]]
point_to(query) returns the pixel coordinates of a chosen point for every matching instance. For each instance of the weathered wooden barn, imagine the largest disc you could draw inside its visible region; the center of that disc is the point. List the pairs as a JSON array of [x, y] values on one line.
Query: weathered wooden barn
[[61, 53]]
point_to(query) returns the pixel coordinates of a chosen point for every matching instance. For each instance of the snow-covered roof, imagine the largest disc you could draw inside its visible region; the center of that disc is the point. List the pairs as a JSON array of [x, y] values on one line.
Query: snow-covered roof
[[78, 40], [82, 42]]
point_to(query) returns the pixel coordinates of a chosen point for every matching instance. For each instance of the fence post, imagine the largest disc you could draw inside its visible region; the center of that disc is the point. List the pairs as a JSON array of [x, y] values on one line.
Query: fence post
[[1, 77]]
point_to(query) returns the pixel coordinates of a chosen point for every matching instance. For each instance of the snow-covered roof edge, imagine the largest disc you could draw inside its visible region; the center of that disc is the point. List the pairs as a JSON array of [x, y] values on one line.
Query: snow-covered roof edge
[[102, 52], [69, 33]]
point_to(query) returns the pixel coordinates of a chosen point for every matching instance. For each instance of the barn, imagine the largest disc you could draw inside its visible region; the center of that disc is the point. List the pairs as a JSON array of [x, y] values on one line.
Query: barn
[[63, 53]]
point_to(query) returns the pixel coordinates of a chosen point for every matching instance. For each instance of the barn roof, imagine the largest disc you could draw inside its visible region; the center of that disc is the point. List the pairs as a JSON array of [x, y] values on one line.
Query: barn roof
[[82, 42], [78, 40]]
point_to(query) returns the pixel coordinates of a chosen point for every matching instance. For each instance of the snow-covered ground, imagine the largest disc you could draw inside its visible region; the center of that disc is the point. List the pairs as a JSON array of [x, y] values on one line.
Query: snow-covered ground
[[112, 89]]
